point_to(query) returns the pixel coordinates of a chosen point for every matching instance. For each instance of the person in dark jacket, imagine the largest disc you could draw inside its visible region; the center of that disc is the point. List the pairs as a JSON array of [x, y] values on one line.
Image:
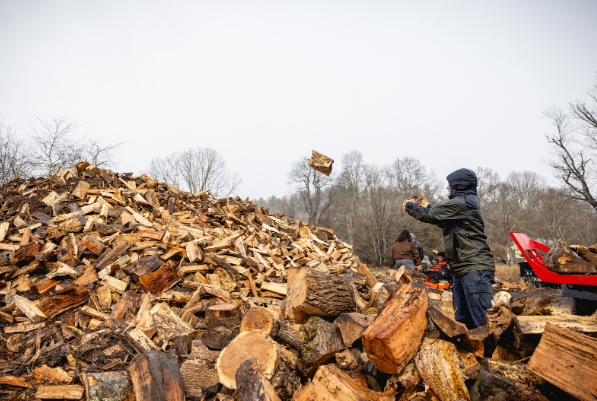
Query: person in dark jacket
[[419, 246], [404, 251], [467, 252]]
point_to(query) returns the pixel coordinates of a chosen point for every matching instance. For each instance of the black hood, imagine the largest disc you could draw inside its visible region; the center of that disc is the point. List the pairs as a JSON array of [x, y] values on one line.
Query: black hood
[[462, 182]]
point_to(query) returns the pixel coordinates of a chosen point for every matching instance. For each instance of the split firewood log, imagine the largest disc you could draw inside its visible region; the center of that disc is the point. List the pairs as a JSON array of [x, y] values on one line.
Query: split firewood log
[[404, 383], [394, 337], [156, 376], [321, 163], [441, 368], [479, 341], [275, 363], [352, 326], [331, 383], [568, 360], [447, 325]]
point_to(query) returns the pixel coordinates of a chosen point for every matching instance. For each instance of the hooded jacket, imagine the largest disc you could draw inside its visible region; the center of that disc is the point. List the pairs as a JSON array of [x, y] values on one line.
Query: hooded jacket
[[462, 224]]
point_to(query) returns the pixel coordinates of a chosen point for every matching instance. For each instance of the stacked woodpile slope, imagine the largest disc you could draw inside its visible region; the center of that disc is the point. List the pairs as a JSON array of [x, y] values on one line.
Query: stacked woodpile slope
[[116, 287]]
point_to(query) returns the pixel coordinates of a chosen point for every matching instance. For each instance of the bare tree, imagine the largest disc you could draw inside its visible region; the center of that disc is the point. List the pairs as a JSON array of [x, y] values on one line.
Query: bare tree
[[348, 192], [409, 177], [383, 207], [196, 170], [574, 147], [15, 160], [54, 147], [315, 189]]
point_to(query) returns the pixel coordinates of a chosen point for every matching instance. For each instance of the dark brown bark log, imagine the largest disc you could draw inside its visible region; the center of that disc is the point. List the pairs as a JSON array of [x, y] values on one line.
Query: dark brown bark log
[[251, 383], [492, 387], [321, 342], [156, 376], [315, 293], [198, 371], [227, 315]]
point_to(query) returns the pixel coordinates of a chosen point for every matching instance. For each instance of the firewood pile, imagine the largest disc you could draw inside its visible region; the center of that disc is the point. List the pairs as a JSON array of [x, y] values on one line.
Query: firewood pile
[[121, 288], [574, 259]]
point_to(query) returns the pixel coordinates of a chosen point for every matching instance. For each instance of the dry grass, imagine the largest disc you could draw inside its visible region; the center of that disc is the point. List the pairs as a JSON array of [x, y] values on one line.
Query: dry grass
[[507, 273]]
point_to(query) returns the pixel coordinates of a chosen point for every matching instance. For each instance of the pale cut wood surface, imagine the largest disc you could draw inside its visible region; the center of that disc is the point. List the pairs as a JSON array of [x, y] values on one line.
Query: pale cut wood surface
[[394, 337], [536, 324], [441, 368], [568, 360]]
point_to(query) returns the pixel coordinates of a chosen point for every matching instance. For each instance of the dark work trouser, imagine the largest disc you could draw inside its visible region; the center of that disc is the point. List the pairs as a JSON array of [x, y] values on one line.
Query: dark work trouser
[[472, 294]]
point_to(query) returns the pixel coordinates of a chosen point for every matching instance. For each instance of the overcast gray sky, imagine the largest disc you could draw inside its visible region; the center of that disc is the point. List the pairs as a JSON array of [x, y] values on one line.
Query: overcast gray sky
[[453, 83]]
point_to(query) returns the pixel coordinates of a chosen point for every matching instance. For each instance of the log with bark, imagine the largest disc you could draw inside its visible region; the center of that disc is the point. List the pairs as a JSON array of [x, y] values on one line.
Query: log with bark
[[251, 383], [274, 363], [321, 341], [156, 376], [314, 293]]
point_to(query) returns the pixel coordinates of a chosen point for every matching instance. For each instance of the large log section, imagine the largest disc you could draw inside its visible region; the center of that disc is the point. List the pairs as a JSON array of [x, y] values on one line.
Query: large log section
[[394, 338]]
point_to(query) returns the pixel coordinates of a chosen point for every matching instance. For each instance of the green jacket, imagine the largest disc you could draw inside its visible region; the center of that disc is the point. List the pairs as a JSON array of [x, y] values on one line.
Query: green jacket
[[462, 225]]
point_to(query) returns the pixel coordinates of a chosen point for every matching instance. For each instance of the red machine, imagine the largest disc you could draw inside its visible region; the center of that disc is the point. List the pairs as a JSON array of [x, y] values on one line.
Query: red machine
[[573, 285]]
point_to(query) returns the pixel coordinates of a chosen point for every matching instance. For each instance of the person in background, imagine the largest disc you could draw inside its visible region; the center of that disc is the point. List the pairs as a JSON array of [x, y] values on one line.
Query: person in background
[[418, 244], [467, 252], [404, 251]]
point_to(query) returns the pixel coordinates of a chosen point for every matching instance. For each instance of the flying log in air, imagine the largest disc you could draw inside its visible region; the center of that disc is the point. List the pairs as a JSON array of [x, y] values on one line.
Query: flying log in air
[[321, 163]]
